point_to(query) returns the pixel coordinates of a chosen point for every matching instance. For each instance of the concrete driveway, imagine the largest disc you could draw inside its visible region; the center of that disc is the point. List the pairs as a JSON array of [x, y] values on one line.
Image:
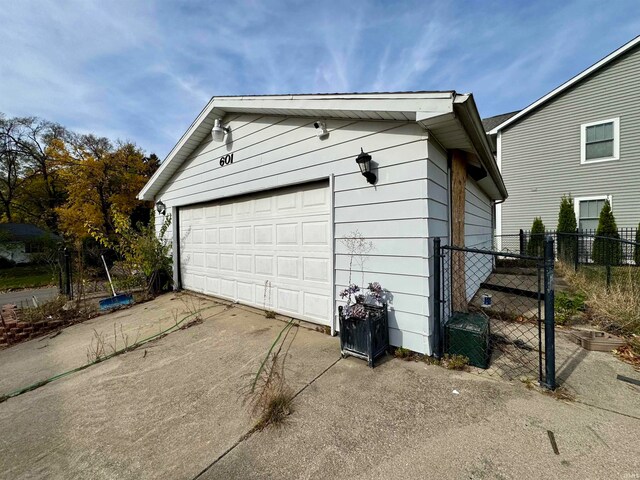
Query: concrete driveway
[[174, 409]]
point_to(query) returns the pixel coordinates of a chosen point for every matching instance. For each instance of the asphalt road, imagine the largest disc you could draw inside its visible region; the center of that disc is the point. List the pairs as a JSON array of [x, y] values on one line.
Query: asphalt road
[[25, 296]]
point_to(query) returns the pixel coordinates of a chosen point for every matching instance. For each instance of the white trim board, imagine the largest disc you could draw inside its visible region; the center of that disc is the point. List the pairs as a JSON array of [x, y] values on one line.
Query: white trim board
[[577, 200], [616, 141]]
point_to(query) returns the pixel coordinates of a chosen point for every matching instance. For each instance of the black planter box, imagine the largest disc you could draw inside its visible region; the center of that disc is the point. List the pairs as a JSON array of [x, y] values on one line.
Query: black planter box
[[366, 338]]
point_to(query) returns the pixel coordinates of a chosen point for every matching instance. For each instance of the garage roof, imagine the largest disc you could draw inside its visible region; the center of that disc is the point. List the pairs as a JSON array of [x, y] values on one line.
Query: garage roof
[[451, 117]]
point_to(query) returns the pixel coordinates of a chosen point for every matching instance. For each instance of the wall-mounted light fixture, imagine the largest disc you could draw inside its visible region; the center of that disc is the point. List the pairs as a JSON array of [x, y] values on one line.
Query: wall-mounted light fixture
[[161, 207], [364, 162], [218, 131], [321, 129]]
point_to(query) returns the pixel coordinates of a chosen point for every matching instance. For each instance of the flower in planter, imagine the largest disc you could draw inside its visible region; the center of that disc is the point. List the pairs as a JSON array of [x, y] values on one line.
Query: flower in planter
[[356, 301]]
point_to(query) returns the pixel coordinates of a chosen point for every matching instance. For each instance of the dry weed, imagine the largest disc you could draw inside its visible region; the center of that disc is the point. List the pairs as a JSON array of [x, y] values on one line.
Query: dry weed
[[269, 397]]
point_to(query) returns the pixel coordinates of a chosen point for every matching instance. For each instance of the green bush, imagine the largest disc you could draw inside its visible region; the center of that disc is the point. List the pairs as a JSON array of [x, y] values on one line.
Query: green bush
[[566, 224], [567, 305], [535, 247], [605, 251]]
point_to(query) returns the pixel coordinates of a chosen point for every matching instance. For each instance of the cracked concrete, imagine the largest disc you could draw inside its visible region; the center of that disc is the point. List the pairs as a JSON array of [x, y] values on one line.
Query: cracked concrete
[[172, 407]]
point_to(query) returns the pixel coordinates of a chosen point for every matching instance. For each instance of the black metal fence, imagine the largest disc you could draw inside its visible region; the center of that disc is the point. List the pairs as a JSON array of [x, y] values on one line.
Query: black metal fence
[[501, 319], [580, 249]]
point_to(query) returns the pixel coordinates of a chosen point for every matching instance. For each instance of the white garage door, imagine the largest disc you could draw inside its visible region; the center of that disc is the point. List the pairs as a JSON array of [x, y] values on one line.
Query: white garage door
[[270, 250]]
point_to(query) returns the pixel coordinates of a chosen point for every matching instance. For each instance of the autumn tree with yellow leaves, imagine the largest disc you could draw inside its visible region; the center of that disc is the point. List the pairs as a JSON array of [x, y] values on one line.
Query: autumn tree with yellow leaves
[[100, 178]]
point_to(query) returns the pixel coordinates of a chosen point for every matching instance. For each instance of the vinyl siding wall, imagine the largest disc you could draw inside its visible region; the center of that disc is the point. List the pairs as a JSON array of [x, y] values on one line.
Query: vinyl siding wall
[[478, 232], [540, 154], [399, 214]]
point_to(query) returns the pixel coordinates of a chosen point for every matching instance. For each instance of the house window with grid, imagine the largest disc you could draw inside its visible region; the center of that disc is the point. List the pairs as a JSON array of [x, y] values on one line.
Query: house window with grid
[[589, 212], [600, 141]]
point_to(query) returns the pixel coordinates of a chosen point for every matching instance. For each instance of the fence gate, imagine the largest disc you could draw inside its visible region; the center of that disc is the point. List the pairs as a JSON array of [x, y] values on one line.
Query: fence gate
[[496, 308]]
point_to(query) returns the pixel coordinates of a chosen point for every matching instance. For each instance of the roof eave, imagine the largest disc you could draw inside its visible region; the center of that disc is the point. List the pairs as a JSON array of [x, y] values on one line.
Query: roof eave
[[467, 112]]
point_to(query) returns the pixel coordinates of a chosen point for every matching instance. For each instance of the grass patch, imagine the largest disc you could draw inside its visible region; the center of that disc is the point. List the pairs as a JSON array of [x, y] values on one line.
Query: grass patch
[[26, 276], [455, 362], [616, 309], [568, 306], [402, 352]]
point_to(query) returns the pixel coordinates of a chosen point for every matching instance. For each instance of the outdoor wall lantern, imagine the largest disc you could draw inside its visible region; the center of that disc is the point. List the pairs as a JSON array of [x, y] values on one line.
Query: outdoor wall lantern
[[161, 207], [364, 162], [218, 131]]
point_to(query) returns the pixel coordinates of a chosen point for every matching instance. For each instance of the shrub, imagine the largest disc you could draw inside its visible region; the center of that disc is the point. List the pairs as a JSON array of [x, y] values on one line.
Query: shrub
[[145, 252], [566, 224], [605, 251], [568, 305], [535, 247]]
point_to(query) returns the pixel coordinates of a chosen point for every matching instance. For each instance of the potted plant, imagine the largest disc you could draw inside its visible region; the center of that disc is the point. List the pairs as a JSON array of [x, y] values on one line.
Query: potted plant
[[364, 331]]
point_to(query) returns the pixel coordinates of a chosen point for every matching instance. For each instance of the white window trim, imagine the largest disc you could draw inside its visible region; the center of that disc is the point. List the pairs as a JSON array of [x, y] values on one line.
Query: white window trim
[[577, 200], [616, 141]]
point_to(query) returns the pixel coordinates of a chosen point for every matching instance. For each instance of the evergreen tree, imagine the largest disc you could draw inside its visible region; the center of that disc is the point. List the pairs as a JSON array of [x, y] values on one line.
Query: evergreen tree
[[605, 251], [535, 247], [566, 225]]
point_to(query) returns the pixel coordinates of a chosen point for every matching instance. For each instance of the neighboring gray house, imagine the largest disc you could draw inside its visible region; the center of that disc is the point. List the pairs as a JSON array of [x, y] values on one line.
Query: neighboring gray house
[[583, 139], [262, 189], [19, 242]]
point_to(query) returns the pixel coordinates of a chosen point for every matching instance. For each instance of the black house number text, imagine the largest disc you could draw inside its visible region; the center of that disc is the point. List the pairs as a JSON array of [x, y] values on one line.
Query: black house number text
[[226, 159]]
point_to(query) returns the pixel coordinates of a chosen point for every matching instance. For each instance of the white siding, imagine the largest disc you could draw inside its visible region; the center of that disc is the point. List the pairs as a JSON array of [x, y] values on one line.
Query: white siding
[[477, 234]]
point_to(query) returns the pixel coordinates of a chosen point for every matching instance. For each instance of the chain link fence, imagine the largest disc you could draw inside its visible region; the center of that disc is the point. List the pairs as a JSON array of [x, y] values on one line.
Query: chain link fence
[[492, 307]]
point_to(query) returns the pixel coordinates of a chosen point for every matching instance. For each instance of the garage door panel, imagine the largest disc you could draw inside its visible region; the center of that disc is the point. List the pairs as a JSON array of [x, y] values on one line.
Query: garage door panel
[[264, 265], [287, 234], [245, 292], [244, 263], [227, 262], [315, 233], [316, 306], [287, 267], [231, 248], [316, 270]]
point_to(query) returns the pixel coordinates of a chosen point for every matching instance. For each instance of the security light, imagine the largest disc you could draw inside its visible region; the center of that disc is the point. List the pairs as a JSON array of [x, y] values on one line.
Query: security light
[[218, 131], [364, 162], [321, 129]]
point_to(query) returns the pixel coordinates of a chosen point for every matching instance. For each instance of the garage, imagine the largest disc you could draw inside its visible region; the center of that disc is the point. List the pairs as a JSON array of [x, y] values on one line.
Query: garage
[[264, 193], [270, 250]]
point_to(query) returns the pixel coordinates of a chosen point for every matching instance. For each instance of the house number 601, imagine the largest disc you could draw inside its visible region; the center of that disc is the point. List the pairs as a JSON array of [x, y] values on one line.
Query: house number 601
[[226, 159]]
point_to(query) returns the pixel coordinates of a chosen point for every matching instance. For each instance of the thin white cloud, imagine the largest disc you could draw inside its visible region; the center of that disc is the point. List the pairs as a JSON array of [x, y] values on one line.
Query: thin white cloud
[[143, 70]]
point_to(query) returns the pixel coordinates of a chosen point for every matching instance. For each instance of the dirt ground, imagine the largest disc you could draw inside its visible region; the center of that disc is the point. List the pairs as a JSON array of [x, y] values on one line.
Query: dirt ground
[[174, 409]]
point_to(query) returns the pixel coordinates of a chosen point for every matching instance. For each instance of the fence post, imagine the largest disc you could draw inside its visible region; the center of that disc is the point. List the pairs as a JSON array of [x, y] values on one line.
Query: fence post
[[437, 300], [549, 317], [577, 253], [67, 273], [522, 252], [60, 272]]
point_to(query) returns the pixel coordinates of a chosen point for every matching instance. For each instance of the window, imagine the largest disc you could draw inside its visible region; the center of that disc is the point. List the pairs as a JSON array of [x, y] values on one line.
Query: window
[[588, 211], [600, 141]]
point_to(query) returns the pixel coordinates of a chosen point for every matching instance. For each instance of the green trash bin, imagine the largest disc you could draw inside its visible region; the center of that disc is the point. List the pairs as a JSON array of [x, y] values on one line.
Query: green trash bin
[[468, 334]]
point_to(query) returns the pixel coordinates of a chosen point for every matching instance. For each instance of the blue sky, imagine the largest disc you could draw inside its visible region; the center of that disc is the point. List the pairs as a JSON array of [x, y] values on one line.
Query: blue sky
[[141, 70]]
